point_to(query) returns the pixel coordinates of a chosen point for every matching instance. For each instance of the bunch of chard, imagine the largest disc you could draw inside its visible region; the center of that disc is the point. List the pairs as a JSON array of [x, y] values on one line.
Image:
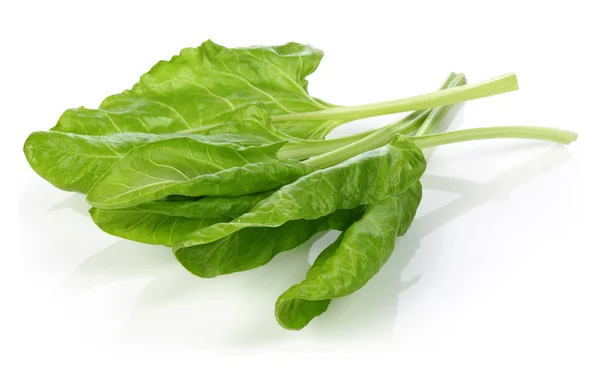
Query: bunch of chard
[[221, 154]]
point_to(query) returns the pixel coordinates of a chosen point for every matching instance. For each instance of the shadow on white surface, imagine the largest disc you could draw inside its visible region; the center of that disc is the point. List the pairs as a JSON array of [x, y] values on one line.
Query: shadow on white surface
[[75, 202], [237, 310]]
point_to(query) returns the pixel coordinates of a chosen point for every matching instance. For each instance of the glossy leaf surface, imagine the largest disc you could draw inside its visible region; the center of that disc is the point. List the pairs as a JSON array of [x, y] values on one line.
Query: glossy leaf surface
[[75, 162], [351, 261], [255, 246], [367, 178], [147, 227], [189, 167]]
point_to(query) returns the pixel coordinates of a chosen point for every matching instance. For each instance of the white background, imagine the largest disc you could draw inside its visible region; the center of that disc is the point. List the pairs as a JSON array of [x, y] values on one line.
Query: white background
[[500, 273]]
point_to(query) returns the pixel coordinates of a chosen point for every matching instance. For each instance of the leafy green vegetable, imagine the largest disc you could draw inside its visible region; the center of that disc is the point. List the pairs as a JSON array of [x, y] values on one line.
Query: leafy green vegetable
[[164, 222], [200, 88], [368, 178], [147, 227], [73, 162], [220, 153], [84, 159], [183, 166], [76, 162], [206, 207], [255, 246], [253, 123], [348, 264]]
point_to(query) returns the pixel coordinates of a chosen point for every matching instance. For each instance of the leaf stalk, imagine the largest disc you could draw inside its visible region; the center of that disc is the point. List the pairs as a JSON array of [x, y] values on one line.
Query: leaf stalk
[[494, 86]]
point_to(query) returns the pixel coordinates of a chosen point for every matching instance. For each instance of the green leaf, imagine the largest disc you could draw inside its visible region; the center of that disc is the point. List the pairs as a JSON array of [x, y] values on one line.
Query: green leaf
[[74, 162], [255, 246], [367, 178], [190, 167], [163, 222], [351, 261], [147, 227], [206, 207], [253, 122], [202, 86]]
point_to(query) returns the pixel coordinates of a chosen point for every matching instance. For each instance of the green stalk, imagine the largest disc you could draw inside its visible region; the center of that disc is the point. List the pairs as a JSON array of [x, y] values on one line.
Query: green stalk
[[301, 149], [523, 132], [498, 85], [439, 113], [372, 141], [379, 139], [383, 136]]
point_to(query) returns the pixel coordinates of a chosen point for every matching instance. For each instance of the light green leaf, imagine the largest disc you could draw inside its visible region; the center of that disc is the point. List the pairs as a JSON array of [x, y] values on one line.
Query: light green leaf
[[255, 246], [147, 227], [202, 86], [190, 167], [253, 122], [351, 261], [367, 178], [74, 162]]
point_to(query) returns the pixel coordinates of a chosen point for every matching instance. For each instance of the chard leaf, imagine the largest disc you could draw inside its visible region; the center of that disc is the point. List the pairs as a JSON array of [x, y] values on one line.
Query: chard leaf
[[253, 122], [255, 246], [74, 162], [147, 227], [367, 178], [206, 207], [351, 261], [200, 88], [191, 167]]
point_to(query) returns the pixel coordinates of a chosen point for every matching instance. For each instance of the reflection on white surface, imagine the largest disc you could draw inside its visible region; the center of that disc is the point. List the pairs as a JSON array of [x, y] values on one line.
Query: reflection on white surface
[[237, 310]]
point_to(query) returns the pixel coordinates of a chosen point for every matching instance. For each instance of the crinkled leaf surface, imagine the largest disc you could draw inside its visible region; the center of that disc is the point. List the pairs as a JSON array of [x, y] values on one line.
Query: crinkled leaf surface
[[147, 227], [164, 222], [351, 261], [367, 178], [202, 86], [190, 167], [255, 246]]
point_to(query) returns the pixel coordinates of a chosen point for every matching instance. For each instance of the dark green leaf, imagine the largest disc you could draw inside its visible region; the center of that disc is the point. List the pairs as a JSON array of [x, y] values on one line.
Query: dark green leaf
[[367, 178], [201, 87], [255, 246], [190, 167], [206, 207], [351, 261]]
